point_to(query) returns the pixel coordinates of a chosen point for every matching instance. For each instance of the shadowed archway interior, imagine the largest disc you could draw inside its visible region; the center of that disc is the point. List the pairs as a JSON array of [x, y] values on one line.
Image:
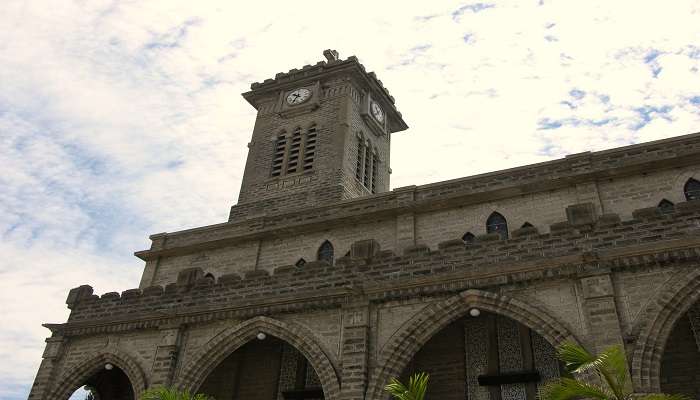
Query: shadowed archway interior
[[680, 363], [109, 384], [485, 357], [266, 369]]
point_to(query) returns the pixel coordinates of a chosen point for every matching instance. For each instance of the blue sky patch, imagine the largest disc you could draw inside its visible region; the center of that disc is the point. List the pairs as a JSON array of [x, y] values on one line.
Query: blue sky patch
[[473, 7]]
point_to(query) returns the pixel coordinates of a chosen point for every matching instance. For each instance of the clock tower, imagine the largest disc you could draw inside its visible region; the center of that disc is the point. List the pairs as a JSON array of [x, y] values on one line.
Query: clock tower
[[322, 135]]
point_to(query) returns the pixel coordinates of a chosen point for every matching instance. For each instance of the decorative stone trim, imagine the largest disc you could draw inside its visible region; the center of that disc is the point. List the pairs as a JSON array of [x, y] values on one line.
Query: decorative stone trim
[[654, 327], [222, 345]]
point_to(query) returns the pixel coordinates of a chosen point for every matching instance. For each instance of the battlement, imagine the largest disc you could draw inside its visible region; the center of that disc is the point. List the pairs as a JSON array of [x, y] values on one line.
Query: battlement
[[251, 221], [582, 244]]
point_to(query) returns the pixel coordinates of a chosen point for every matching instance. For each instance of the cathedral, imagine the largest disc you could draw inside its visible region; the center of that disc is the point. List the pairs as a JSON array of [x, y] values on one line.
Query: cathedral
[[324, 283]]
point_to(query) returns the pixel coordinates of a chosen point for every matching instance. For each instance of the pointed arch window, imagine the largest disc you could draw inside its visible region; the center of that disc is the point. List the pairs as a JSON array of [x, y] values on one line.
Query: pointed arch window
[[692, 189], [367, 164], [325, 252], [210, 276], [468, 237], [665, 206], [496, 223], [527, 225]]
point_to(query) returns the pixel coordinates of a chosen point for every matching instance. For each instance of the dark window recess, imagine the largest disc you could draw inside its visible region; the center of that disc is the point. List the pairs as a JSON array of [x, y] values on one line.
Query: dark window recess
[[665, 206], [360, 159], [294, 149], [309, 148], [468, 237], [325, 252], [303, 394], [368, 167], [497, 223], [692, 189], [509, 378], [375, 164], [210, 276], [279, 150], [527, 225], [300, 263]]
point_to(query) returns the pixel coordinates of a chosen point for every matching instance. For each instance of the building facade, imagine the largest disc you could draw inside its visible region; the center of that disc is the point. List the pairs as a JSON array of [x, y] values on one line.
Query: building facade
[[324, 283]]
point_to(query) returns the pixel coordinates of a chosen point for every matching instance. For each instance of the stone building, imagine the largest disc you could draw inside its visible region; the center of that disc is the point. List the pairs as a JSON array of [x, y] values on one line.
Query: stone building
[[324, 283]]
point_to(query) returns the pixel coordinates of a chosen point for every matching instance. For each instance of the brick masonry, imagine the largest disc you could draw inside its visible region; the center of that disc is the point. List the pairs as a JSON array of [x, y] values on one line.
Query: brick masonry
[[600, 265]]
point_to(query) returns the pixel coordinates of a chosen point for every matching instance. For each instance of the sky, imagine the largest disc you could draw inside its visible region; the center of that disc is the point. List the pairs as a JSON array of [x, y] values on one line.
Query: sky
[[120, 119]]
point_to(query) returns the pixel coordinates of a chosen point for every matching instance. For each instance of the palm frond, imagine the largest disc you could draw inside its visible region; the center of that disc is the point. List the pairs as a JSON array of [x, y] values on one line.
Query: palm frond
[[567, 389], [417, 387], [164, 393], [576, 358], [614, 369]]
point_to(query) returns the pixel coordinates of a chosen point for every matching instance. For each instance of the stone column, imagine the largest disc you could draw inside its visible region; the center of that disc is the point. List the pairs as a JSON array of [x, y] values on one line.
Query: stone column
[[42, 382], [601, 311], [354, 351], [405, 223], [165, 359]]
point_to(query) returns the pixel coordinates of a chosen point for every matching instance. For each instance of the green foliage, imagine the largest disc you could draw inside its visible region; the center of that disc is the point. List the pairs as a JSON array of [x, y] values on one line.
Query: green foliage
[[163, 393], [417, 386], [610, 367]]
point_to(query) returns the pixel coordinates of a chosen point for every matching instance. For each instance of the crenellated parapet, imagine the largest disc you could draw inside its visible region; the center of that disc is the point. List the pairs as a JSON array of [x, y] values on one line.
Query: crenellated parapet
[[581, 244]]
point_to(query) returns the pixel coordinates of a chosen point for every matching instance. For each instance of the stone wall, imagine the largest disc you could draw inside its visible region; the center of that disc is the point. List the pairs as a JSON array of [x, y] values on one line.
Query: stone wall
[[638, 176]]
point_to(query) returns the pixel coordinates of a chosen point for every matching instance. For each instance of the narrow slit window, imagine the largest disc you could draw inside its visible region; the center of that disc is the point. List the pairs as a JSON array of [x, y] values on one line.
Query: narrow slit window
[[279, 151], [294, 152], [360, 159], [374, 173], [496, 223], [367, 167], [309, 148], [692, 189]]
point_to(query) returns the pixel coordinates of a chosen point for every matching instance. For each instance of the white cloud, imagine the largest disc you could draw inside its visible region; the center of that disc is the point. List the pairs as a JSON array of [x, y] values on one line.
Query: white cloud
[[121, 119]]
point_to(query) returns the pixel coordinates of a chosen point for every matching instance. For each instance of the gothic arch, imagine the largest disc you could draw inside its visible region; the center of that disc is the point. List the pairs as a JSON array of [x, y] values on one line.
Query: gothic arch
[[400, 348], [74, 378], [228, 341], [655, 325]]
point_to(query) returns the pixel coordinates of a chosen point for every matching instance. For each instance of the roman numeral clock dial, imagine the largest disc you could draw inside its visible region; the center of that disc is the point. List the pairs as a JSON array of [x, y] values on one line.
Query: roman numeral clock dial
[[298, 96]]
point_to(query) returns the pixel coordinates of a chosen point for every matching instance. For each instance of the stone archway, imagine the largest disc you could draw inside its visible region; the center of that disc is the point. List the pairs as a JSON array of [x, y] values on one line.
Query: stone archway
[[228, 341], [654, 327], [416, 332], [74, 378]]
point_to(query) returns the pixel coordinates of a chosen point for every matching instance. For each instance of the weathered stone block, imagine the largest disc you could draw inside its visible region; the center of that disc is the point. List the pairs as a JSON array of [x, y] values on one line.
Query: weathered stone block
[[581, 214], [365, 249], [80, 293]]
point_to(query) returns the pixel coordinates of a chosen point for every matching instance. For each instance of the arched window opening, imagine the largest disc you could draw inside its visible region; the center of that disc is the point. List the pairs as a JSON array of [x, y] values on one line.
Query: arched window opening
[[665, 206], [279, 153], [300, 263], [294, 152], [468, 237], [209, 275], [527, 225], [496, 223], [325, 252], [310, 147], [692, 189]]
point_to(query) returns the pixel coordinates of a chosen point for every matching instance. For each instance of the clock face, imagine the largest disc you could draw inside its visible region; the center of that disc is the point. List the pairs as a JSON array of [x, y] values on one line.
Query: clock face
[[377, 111], [298, 96]]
